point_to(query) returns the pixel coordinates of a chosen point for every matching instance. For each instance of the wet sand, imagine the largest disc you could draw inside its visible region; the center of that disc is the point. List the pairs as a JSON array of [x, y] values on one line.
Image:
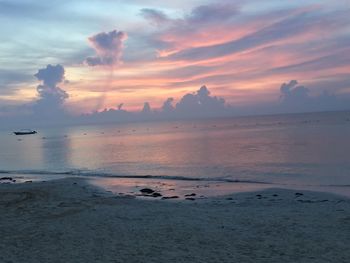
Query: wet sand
[[69, 220]]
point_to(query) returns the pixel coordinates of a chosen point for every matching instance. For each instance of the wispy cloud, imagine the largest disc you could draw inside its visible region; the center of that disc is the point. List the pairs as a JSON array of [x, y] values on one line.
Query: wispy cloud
[[290, 26], [156, 17]]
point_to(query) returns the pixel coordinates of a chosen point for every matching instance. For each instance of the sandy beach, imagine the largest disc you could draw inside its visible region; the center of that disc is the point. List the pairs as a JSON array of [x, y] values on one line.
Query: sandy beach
[[69, 220]]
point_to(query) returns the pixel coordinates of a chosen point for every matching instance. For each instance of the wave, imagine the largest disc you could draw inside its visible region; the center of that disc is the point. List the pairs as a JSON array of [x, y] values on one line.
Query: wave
[[78, 172]]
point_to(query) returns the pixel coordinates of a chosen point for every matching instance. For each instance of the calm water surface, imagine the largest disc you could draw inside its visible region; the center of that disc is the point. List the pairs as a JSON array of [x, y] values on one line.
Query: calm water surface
[[293, 150]]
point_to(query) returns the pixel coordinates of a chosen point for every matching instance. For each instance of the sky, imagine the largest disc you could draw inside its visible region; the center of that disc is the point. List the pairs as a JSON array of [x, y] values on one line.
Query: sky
[[81, 57]]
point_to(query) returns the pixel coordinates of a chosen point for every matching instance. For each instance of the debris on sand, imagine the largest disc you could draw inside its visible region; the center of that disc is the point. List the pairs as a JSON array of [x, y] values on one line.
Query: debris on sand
[[147, 191]]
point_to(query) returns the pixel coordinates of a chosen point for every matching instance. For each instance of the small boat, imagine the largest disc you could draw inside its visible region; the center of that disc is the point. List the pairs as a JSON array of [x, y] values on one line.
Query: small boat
[[25, 132]]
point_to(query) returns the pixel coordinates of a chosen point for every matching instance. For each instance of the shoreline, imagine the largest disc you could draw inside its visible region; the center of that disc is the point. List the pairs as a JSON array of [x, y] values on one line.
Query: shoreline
[[164, 187], [70, 220]]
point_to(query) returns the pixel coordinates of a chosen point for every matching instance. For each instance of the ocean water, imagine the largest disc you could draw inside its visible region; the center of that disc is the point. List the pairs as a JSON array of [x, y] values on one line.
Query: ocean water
[[293, 151]]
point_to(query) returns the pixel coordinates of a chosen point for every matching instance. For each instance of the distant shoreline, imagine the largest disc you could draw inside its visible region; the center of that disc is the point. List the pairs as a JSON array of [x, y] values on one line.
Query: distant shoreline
[[75, 122]]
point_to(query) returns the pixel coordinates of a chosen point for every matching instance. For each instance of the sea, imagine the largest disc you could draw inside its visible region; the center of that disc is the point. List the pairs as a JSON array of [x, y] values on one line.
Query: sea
[[209, 157]]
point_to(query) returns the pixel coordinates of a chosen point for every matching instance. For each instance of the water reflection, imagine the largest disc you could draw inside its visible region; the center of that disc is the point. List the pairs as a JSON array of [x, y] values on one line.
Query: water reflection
[[290, 149], [56, 152]]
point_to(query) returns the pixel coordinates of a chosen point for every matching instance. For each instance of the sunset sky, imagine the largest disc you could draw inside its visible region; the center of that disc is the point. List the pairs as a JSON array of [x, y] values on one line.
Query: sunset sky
[[146, 50]]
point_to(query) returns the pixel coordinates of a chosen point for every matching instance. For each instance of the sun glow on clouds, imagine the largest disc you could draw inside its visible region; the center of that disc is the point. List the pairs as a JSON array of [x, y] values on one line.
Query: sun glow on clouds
[[243, 52]]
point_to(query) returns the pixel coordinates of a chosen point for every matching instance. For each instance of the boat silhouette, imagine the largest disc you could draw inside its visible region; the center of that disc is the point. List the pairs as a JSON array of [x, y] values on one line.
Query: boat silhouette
[[25, 132]]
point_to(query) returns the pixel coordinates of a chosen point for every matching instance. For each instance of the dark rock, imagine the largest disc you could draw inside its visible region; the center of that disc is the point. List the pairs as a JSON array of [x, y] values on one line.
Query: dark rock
[[229, 198], [190, 198], [193, 194], [156, 194], [275, 195], [29, 181], [259, 196], [299, 194], [6, 178], [147, 191]]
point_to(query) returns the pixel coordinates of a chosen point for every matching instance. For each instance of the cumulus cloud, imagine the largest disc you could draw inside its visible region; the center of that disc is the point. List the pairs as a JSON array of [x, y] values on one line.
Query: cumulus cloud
[[108, 47], [51, 97], [297, 98], [200, 104], [292, 92], [146, 108], [168, 105], [51, 75]]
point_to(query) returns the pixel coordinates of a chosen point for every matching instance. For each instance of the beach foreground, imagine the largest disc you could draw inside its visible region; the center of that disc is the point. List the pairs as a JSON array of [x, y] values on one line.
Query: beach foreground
[[69, 220]]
